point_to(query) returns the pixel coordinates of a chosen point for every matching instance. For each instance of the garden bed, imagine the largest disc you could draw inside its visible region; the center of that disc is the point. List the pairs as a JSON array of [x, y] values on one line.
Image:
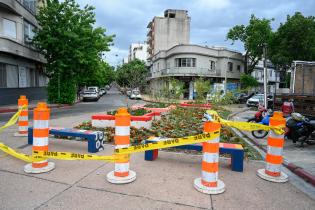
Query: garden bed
[[139, 118], [180, 122], [161, 108]]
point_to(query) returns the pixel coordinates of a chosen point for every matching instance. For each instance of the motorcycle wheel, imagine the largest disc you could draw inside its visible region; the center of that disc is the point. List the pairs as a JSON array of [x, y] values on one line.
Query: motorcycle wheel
[[260, 134]]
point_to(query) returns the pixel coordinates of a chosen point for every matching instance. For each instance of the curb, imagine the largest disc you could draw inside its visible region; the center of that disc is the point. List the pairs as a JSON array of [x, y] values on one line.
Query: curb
[[299, 171], [9, 110]]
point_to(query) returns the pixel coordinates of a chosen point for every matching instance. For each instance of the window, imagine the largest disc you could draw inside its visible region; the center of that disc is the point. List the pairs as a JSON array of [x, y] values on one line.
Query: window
[[28, 32], [270, 73], [212, 65], [238, 67], [9, 28], [12, 76], [230, 66], [3, 76], [30, 5], [185, 62]]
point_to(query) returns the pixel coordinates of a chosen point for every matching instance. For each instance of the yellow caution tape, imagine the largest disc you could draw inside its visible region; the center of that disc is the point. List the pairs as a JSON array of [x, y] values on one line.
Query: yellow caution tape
[[13, 119], [77, 156], [245, 125], [169, 143], [14, 153], [42, 155]]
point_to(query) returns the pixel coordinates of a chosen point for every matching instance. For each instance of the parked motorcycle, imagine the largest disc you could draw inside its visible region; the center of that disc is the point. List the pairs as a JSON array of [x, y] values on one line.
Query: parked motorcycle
[[259, 118], [300, 129]]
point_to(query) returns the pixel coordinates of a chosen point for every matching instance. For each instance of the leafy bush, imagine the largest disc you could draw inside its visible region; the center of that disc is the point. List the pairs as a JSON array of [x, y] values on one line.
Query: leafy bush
[[156, 105], [202, 88], [67, 91], [133, 112]]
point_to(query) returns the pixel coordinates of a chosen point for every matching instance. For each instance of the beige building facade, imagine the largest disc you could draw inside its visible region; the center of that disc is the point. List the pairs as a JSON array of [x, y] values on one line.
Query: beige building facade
[[168, 31], [190, 62], [21, 65]]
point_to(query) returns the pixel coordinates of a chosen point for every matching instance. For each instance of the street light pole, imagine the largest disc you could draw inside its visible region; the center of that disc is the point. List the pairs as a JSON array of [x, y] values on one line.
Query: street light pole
[[225, 76], [265, 75]]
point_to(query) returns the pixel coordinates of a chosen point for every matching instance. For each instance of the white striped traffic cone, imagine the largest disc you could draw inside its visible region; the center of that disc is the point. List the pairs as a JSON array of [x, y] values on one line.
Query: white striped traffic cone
[[23, 117], [122, 174], [274, 158], [209, 182], [40, 139]]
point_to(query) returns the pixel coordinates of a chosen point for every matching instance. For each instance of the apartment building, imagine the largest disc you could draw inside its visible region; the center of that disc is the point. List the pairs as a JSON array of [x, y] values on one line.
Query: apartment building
[[168, 31], [21, 65], [138, 51], [273, 77], [189, 62]]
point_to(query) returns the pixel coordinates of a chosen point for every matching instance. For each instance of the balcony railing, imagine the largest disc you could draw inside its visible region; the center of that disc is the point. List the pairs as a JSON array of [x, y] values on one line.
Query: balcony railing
[[188, 71]]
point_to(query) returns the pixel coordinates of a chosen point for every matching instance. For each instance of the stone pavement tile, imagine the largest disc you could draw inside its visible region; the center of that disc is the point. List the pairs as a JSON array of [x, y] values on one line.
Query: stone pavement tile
[[24, 192], [7, 137], [169, 178], [66, 171], [248, 191], [81, 198]]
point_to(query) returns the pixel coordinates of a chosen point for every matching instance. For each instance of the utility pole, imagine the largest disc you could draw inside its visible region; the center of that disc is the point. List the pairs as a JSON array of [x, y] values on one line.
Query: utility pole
[[265, 75]]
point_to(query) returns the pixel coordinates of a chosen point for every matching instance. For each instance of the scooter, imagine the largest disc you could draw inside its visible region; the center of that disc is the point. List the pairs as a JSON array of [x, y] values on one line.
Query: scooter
[[300, 129], [259, 115]]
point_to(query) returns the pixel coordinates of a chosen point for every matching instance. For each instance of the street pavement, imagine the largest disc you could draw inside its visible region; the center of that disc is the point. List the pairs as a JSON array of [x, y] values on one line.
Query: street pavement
[[166, 183], [112, 100]]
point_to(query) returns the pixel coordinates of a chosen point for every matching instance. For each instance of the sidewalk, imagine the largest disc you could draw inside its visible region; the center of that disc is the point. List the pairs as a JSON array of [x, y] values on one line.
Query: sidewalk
[[299, 160], [166, 183]]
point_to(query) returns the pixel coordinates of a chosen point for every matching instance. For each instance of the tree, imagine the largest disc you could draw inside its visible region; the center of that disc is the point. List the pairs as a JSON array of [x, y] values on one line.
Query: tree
[[248, 81], [71, 46], [132, 74], [202, 88], [253, 36], [294, 40]]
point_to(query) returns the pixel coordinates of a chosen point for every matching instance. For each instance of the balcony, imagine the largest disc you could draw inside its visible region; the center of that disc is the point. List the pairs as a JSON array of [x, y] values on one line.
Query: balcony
[[189, 71], [9, 46]]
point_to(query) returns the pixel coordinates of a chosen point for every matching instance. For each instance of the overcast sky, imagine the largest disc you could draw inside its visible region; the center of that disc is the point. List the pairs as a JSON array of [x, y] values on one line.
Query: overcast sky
[[210, 19]]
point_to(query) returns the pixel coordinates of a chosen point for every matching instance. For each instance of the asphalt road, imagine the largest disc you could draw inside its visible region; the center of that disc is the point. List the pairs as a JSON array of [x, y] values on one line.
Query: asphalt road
[[112, 100]]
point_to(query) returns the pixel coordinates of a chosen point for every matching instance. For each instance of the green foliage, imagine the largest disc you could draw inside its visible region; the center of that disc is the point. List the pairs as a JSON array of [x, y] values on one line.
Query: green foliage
[[133, 112], [156, 105], [68, 93], [132, 74], [248, 81], [71, 46], [253, 36], [176, 89], [202, 88], [294, 40], [103, 75]]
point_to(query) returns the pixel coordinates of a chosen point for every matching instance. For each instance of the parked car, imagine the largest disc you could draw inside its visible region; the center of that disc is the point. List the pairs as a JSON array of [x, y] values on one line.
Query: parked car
[[259, 99], [90, 94], [96, 89], [135, 94], [103, 91], [241, 98]]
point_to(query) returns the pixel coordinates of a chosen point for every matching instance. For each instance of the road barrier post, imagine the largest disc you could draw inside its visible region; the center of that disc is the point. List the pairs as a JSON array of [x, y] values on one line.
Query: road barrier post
[[274, 158], [23, 117], [40, 139], [209, 182], [122, 174]]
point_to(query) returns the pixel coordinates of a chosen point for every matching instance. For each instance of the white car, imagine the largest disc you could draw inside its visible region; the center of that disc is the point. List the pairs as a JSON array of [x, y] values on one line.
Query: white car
[[90, 95], [259, 99], [96, 89], [135, 94]]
